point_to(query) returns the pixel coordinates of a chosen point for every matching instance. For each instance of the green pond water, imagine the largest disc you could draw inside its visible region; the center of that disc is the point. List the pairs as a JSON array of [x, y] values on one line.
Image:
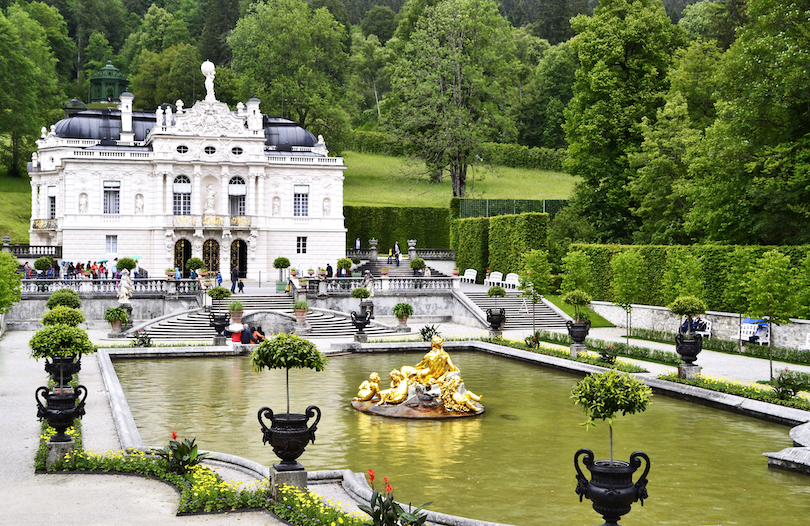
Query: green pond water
[[513, 464]]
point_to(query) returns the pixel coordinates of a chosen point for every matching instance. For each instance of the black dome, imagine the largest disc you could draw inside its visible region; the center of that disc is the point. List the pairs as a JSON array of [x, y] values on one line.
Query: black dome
[[283, 133], [103, 124]]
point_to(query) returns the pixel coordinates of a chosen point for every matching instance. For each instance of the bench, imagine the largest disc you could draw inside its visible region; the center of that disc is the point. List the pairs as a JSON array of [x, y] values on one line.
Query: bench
[[707, 332], [495, 278], [512, 281], [750, 329], [469, 275]]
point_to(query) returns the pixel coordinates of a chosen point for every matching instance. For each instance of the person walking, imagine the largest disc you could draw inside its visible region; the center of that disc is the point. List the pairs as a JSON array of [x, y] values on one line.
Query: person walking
[[397, 252], [357, 244], [219, 278], [328, 270], [234, 278]]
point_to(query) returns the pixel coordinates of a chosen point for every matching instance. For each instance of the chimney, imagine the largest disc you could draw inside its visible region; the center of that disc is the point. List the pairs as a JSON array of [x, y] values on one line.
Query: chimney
[[127, 131]]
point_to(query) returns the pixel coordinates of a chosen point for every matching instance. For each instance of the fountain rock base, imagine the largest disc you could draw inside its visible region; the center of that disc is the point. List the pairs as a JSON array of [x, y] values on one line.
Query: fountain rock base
[[420, 403]]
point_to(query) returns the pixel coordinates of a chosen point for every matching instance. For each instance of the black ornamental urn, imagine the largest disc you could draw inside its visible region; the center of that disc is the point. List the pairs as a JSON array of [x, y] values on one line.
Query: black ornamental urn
[[578, 330], [688, 349], [611, 488], [289, 435], [219, 321], [62, 368], [361, 320], [60, 408], [496, 318]]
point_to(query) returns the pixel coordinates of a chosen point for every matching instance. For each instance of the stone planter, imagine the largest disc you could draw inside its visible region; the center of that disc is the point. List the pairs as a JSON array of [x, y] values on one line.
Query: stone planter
[[403, 321], [236, 316], [115, 326], [611, 488], [289, 435], [301, 316]]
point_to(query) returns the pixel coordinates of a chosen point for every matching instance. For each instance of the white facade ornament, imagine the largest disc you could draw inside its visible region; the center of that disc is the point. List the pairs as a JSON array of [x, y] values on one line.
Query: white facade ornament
[[139, 204], [169, 240], [276, 206], [327, 207], [320, 147], [198, 241], [209, 200], [212, 119], [83, 204], [179, 104], [253, 242], [43, 132], [209, 71]]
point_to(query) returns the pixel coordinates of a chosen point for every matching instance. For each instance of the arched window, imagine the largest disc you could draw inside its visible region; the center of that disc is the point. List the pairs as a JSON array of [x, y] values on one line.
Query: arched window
[[236, 196], [182, 196]]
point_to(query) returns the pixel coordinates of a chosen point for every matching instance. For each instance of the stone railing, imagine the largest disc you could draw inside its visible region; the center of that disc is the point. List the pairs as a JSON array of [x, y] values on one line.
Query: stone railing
[[109, 287], [44, 224], [363, 253], [344, 286], [34, 251], [436, 253]]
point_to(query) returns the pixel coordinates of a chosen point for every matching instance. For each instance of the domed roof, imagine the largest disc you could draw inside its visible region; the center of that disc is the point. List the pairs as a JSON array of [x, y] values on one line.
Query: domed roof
[[283, 134], [103, 124], [110, 72]]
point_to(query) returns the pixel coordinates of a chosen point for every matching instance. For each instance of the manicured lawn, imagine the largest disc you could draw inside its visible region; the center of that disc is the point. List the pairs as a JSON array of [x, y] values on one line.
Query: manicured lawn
[[15, 207], [380, 180], [596, 320]]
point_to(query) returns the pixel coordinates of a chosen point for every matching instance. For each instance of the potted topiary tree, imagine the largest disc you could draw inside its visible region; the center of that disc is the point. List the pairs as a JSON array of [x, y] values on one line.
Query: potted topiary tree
[[402, 311], [344, 264], [496, 317], [194, 264], [64, 346], [117, 317], [417, 265], [363, 318], [578, 329], [288, 433], [281, 263], [43, 263], [611, 488], [236, 309], [355, 262], [62, 315], [126, 263], [687, 343]]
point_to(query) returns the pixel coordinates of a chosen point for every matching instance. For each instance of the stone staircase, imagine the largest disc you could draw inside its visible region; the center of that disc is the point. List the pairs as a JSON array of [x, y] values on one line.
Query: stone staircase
[[402, 271], [516, 315], [194, 325]]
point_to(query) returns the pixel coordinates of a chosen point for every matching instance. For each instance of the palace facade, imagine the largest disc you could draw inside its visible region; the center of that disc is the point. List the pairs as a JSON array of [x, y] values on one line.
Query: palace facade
[[234, 188]]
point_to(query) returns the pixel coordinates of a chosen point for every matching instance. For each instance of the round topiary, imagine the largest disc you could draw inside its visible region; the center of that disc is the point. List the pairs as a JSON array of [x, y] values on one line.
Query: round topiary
[[43, 263], [356, 260], [194, 263], [496, 292], [61, 341], [417, 263], [63, 315], [66, 297], [402, 310], [578, 299], [126, 263], [345, 263], [281, 262], [688, 306], [219, 293], [361, 293]]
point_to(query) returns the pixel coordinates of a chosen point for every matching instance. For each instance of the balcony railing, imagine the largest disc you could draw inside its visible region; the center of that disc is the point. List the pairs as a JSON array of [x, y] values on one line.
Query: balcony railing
[[35, 251], [436, 253], [344, 286], [44, 224], [109, 287], [240, 221], [209, 221]]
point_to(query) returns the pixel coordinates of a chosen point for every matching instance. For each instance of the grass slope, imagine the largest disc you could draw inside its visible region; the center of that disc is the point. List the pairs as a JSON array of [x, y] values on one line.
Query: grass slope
[[380, 180], [15, 207]]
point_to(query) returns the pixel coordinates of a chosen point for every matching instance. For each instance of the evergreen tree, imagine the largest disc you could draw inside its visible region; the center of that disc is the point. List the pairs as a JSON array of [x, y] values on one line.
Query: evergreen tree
[[220, 19]]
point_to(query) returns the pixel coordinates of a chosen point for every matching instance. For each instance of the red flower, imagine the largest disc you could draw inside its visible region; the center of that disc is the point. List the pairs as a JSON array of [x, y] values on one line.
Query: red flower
[[386, 480], [174, 435], [388, 488], [371, 476]]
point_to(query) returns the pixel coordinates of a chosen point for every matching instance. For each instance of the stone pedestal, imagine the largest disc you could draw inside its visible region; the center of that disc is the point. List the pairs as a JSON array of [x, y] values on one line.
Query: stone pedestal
[[495, 334], [220, 340], [577, 348], [688, 372], [373, 243], [57, 451], [361, 337], [290, 478]]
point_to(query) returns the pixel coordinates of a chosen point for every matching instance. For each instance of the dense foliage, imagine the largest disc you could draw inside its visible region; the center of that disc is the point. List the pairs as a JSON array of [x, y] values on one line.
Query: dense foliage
[[510, 237], [10, 282], [63, 315], [388, 224], [60, 340], [66, 297]]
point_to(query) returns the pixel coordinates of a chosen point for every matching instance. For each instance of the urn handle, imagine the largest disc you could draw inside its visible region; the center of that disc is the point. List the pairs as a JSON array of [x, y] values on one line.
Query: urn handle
[[311, 410], [641, 484], [267, 413], [40, 405], [582, 482], [83, 390]]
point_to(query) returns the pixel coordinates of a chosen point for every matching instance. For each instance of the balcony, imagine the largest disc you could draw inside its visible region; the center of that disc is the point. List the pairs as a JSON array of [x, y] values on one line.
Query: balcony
[[213, 222], [44, 224]]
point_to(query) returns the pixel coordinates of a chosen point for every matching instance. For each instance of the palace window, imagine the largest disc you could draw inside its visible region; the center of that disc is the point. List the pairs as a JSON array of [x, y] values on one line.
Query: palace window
[[237, 150], [300, 200], [51, 202], [182, 149], [210, 150], [112, 193], [112, 244], [182, 196], [236, 196], [301, 245]]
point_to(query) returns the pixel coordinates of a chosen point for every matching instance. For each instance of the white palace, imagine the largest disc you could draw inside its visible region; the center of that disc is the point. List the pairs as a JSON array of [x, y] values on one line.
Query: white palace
[[235, 188]]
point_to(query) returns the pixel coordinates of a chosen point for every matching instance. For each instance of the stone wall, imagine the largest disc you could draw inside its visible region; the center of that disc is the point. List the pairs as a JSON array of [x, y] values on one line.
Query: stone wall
[[725, 325]]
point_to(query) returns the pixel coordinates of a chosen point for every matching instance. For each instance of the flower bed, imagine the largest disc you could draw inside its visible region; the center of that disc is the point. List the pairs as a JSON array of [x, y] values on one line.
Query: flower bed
[[754, 391]]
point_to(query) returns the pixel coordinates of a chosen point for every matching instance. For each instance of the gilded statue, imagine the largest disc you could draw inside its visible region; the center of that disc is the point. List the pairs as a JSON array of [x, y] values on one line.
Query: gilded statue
[[369, 388], [453, 399], [399, 389], [435, 365]]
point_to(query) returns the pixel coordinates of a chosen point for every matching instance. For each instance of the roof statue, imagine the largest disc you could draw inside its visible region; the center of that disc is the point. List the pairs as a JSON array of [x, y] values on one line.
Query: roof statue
[[209, 71]]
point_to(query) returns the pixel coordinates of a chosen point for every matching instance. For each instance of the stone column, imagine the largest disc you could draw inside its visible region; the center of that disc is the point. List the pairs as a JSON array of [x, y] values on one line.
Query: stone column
[[261, 199], [250, 205], [34, 209], [168, 195]]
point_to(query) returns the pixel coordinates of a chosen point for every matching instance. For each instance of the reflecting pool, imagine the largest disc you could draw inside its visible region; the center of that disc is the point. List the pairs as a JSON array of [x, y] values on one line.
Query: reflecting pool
[[513, 464]]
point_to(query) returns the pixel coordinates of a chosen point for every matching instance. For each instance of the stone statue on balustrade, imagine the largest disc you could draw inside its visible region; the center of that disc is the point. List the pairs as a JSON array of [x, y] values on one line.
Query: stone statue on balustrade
[[126, 287]]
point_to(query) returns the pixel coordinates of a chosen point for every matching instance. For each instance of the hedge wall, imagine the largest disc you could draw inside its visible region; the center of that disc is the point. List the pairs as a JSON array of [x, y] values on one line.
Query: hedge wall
[[512, 236], [715, 260], [430, 227], [472, 245]]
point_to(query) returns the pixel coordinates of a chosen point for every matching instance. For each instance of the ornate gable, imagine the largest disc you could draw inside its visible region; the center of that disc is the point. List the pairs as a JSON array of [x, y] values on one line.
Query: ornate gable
[[210, 119]]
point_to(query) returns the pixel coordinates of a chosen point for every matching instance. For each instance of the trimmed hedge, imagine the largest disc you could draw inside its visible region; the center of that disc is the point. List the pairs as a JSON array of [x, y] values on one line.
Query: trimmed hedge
[[430, 227], [512, 236], [472, 245], [715, 261]]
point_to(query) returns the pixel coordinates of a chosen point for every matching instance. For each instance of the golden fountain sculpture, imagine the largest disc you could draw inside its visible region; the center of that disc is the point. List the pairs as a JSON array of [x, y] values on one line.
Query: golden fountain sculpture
[[433, 388]]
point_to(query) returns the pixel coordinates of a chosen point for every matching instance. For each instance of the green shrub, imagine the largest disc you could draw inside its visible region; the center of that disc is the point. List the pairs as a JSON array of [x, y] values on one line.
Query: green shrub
[[472, 245], [417, 263], [496, 291], [429, 226], [301, 305], [281, 262], [127, 263], [66, 297], [194, 264], [235, 306], [63, 315], [43, 263], [689, 306], [344, 263], [116, 314], [219, 293], [402, 310], [356, 260], [519, 156], [60, 340], [428, 332], [180, 456], [787, 383], [511, 236], [361, 293]]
